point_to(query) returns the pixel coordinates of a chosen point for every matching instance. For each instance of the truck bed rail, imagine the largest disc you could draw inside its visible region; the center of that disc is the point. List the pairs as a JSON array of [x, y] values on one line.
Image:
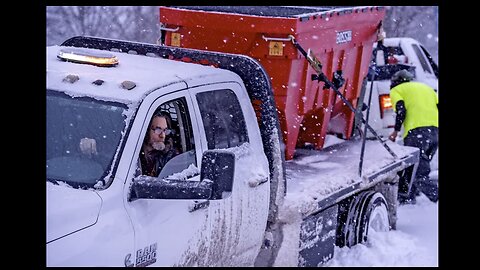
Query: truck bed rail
[[280, 11], [330, 175]]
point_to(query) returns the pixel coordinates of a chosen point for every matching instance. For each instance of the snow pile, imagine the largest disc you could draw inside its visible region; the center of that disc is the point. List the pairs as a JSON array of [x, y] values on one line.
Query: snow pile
[[414, 243], [393, 248]]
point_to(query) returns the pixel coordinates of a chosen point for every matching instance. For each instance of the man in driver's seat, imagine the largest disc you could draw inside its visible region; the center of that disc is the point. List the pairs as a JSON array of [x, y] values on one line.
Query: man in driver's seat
[[157, 148]]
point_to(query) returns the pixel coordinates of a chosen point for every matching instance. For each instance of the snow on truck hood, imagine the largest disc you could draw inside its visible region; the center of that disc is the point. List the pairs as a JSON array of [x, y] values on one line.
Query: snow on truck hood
[[70, 210], [147, 72]]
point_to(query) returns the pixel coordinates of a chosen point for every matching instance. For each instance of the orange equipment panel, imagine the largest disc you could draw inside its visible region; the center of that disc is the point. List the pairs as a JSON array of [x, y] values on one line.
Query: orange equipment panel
[[341, 38]]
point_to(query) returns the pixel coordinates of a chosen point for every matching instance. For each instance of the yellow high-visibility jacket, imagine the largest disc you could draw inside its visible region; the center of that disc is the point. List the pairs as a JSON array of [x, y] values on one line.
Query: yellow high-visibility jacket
[[420, 103]]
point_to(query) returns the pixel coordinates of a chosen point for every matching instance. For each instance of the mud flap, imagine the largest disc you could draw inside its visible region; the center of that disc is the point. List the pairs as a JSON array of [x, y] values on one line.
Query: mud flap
[[317, 237], [407, 177], [389, 189]]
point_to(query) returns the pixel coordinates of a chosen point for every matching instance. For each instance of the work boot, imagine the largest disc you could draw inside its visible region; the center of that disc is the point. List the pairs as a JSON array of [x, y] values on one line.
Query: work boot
[[433, 196], [429, 188], [407, 199]]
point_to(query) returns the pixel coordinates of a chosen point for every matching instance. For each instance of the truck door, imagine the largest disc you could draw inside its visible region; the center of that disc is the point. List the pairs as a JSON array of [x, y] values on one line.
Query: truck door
[[228, 121], [173, 232]]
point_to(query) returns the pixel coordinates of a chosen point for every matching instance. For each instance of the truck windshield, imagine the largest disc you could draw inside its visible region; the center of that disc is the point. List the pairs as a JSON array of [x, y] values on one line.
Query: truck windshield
[[394, 59], [83, 135]]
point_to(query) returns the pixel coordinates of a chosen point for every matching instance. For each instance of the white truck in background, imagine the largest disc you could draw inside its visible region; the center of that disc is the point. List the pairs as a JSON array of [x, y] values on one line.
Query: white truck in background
[[393, 55]]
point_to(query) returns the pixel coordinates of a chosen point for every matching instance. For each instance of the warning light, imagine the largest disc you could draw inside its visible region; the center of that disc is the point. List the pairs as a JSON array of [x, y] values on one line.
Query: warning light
[[82, 56], [385, 103]]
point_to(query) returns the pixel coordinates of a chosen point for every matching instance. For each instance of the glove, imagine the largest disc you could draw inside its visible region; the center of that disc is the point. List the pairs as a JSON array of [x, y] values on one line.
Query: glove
[[393, 136]]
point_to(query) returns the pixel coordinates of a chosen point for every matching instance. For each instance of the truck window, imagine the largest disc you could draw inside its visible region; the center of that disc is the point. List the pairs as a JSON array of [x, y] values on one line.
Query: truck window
[[388, 60], [178, 151], [421, 57], [395, 55], [431, 61], [222, 119], [181, 124], [83, 135]]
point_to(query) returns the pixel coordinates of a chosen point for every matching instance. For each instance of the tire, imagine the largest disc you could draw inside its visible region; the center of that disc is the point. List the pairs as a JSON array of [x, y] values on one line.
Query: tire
[[348, 218], [360, 214], [375, 216]]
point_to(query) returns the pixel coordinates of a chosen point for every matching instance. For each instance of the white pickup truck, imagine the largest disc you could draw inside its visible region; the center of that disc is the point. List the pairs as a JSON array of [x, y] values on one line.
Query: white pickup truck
[[224, 200], [393, 55]]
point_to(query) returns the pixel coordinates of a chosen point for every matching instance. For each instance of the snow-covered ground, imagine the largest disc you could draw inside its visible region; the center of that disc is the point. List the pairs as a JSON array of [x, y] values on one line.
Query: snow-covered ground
[[414, 243]]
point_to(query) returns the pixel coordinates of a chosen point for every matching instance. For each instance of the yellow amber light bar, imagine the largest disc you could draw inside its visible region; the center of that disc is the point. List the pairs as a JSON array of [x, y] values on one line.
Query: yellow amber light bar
[[88, 57]]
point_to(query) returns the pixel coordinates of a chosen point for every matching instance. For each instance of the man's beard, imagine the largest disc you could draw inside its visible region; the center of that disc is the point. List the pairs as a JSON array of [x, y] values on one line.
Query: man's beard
[[160, 146]]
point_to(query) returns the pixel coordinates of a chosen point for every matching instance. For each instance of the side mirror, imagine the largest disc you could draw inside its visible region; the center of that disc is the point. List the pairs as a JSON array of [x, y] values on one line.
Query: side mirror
[[146, 187], [216, 181]]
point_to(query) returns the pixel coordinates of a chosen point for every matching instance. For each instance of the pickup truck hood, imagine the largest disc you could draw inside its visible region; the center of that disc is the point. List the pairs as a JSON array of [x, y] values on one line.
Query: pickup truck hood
[[70, 210]]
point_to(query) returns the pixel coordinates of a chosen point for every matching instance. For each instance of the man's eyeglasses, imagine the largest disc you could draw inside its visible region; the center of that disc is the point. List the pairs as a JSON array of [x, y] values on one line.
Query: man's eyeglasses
[[158, 130]]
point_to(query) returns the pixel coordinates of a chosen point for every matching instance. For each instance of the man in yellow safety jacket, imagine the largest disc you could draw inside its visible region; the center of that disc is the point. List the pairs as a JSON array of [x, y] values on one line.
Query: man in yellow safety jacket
[[416, 107]]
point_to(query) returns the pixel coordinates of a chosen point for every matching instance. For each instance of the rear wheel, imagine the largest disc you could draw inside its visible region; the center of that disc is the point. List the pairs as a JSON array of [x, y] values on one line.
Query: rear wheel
[[366, 212], [375, 216]]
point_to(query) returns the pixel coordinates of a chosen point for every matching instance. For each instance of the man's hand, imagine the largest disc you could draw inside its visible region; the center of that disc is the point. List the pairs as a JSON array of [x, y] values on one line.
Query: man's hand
[[393, 136], [88, 146]]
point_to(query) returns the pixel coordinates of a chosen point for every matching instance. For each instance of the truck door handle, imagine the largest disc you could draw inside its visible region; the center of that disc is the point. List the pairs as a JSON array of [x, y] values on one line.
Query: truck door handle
[[257, 182], [198, 205], [170, 29]]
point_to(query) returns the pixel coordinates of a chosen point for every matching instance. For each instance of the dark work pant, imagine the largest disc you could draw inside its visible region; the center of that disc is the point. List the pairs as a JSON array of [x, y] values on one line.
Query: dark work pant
[[425, 139]]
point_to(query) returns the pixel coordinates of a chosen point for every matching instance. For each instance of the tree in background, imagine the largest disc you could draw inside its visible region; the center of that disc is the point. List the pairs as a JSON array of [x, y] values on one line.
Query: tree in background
[[418, 22], [141, 23], [136, 23]]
